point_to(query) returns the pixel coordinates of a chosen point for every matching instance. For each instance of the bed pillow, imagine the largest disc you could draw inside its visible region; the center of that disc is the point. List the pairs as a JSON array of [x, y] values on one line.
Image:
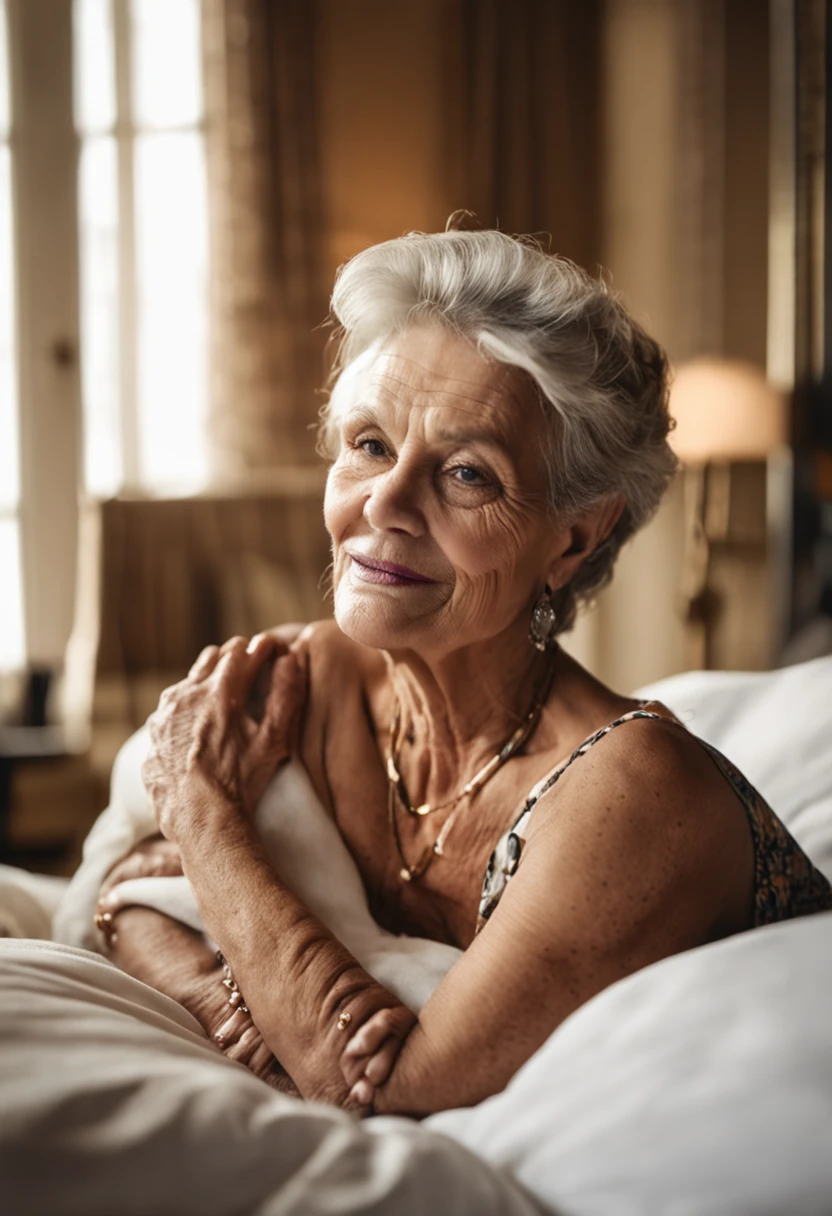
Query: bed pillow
[[700, 1086], [28, 902]]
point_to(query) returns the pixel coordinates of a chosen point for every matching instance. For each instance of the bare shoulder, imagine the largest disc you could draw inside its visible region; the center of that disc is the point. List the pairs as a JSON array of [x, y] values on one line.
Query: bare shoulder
[[339, 673], [329, 653], [646, 807], [649, 763]]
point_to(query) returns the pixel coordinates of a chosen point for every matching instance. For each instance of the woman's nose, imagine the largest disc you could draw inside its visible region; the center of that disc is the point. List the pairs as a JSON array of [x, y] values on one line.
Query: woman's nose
[[393, 503]]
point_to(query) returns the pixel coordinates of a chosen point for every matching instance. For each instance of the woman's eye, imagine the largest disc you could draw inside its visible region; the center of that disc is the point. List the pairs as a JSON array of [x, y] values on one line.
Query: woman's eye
[[468, 475], [467, 486], [373, 447]]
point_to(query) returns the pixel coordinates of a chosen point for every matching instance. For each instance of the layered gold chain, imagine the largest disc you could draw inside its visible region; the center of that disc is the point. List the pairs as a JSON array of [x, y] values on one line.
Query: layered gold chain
[[397, 790]]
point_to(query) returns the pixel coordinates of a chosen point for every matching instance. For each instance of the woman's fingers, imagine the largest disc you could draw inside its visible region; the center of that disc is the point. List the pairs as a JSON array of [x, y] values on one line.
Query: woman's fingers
[[205, 663], [236, 667], [376, 1067], [231, 1029], [209, 728], [239, 1039], [152, 858], [396, 1020], [367, 1060], [283, 711], [260, 647], [240, 665], [353, 1066], [380, 1065], [109, 906], [376, 1072], [361, 1097]]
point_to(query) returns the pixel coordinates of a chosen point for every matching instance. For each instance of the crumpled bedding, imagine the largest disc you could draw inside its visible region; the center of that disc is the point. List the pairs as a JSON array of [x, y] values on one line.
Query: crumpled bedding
[[700, 1086], [113, 1102]]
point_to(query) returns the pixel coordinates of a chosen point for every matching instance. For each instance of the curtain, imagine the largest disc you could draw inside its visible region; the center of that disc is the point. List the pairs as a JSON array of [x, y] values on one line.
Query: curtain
[[268, 297], [530, 104]]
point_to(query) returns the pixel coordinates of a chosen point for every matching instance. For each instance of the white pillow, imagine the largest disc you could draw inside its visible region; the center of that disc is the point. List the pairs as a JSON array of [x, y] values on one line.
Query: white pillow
[[28, 902], [777, 728], [700, 1086]]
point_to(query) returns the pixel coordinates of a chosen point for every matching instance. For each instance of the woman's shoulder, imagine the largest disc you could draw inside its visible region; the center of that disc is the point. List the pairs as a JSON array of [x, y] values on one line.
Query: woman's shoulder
[[647, 799], [647, 743], [327, 649], [644, 763], [341, 675]]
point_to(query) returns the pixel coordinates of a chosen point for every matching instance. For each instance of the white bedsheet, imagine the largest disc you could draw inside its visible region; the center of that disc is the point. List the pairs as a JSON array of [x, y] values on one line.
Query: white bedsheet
[[114, 1104], [701, 1086]]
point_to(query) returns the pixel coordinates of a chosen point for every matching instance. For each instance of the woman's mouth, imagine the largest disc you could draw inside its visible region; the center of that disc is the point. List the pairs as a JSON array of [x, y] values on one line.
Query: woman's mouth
[[371, 570]]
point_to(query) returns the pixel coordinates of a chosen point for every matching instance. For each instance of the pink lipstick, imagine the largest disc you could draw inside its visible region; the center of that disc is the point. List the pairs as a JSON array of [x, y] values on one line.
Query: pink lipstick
[[372, 570]]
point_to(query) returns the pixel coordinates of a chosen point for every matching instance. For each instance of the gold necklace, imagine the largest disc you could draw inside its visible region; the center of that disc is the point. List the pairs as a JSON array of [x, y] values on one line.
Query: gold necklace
[[396, 788]]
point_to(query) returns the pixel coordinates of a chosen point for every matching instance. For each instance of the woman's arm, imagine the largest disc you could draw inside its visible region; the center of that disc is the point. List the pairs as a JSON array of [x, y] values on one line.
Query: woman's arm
[[171, 958], [612, 882], [175, 961], [298, 981]]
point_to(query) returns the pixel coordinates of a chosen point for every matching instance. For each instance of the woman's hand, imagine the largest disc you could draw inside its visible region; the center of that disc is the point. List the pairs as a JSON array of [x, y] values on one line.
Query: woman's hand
[[222, 731], [154, 857], [369, 1056], [175, 961]]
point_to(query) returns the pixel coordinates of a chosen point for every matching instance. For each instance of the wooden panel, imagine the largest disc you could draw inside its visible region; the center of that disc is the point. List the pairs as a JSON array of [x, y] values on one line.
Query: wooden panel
[[180, 574]]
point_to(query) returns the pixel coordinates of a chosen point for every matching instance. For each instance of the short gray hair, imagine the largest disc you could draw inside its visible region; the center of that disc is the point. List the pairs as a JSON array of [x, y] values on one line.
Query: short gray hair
[[606, 378]]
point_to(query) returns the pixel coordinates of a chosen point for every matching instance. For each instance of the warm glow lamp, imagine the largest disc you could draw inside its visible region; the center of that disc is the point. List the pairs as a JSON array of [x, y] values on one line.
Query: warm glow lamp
[[725, 412]]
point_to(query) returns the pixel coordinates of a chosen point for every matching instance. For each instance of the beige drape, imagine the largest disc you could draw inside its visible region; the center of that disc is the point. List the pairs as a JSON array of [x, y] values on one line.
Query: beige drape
[[530, 86], [267, 289]]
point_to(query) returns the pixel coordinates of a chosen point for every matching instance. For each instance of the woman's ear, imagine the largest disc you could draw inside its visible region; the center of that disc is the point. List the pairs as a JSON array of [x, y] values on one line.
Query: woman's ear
[[612, 511], [583, 536]]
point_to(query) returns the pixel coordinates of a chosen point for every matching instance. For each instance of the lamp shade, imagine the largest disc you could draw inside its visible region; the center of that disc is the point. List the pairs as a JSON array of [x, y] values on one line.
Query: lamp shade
[[725, 410]]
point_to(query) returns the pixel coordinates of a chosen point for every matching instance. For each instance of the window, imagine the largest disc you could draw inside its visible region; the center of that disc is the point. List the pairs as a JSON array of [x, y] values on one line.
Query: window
[[140, 307], [11, 605], [143, 244]]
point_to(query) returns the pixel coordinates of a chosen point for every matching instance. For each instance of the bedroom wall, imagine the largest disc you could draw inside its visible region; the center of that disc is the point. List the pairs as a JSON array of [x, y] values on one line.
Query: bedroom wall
[[383, 94], [684, 233], [429, 107]]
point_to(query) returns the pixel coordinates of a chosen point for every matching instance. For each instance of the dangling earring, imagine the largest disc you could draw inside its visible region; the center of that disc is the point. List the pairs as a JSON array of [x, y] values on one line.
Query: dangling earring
[[544, 619]]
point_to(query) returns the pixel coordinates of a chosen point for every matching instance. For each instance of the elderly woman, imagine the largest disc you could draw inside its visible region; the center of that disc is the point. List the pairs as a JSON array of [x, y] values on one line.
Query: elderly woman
[[497, 432]]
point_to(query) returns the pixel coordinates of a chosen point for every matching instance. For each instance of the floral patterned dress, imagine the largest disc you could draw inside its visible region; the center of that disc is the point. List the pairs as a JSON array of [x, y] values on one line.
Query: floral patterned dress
[[786, 884]]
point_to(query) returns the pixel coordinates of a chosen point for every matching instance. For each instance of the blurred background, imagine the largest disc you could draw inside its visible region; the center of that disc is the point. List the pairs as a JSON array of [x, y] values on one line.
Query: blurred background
[[179, 182]]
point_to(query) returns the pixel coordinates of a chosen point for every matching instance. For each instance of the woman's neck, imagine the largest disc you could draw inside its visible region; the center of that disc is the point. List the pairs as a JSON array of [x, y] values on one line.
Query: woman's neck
[[457, 711]]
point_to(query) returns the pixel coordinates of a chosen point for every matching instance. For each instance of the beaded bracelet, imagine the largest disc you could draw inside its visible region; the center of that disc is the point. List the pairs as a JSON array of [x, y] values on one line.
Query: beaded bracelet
[[235, 997]]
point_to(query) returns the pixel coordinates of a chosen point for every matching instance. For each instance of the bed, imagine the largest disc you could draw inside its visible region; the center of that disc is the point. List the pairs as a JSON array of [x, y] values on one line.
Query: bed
[[700, 1085]]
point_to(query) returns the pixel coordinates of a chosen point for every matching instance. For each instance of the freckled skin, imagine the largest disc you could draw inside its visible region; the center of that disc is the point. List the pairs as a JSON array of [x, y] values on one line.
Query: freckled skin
[[610, 877]]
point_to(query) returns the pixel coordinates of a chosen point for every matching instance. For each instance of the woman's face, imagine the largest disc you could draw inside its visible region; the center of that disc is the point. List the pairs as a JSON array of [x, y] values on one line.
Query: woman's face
[[436, 502]]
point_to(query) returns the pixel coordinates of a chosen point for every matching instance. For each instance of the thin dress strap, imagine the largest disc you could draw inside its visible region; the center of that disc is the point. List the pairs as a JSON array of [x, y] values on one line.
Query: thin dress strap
[[551, 778], [786, 883], [506, 856]]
